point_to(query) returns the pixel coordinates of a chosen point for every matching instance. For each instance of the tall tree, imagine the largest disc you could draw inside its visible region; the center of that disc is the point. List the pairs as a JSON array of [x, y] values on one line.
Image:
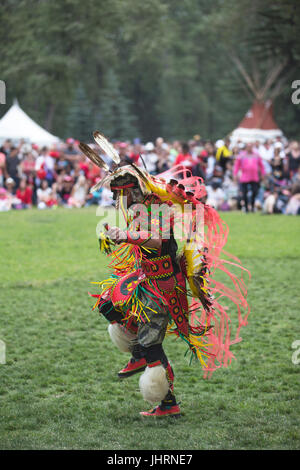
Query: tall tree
[[114, 117], [79, 118], [172, 63]]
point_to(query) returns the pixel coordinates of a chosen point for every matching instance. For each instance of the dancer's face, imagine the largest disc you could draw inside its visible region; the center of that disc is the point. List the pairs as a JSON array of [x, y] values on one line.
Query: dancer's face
[[126, 193]]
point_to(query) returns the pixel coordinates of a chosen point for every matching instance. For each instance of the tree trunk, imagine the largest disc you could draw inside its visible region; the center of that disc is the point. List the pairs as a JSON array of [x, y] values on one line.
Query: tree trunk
[[49, 117]]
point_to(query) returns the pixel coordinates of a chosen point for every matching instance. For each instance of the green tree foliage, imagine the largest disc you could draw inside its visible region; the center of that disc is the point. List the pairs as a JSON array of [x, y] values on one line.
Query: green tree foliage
[[79, 122], [143, 69], [113, 116]]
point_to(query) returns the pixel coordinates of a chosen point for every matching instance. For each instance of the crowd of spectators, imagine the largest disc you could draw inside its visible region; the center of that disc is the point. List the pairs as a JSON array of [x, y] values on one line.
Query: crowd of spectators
[[259, 176]]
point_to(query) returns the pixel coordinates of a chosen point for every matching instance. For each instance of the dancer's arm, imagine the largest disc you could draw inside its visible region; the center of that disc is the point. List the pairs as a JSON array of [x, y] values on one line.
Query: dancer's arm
[[142, 238]]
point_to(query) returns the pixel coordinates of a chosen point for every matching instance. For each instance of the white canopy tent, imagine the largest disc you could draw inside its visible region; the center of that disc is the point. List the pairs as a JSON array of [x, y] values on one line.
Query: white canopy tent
[[16, 125]]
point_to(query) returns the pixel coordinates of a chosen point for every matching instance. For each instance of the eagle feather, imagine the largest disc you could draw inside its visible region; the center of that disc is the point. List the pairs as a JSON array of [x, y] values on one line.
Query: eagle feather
[[93, 156], [106, 147]]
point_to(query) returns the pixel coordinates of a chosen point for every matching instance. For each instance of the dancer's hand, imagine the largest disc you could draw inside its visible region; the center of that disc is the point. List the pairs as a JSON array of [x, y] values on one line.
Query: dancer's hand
[[116, 234]]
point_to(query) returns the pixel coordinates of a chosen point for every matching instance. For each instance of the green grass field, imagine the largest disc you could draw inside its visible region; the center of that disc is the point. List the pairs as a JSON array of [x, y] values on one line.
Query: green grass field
[[58, 388]]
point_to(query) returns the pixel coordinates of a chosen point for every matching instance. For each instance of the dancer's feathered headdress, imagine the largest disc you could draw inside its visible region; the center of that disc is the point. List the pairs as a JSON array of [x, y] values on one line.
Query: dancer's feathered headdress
[[118, 171]]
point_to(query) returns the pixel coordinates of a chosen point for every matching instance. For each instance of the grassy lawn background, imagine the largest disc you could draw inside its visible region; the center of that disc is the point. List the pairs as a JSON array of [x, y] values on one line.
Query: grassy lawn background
[[58, 388]]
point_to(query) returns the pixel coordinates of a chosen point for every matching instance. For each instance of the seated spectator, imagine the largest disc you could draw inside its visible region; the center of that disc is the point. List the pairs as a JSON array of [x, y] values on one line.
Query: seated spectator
[[278, 171], [53, 199], [230, 187], [217, 175], [211, 162], [293, 205], [28, 165], [124, 153], [77, 172], [93, 174], [71, 153], [24, 193], [215, 195], [135, 154], [45, 166], [296, 177], [174, 151], [185, 158], [163, 163], [79, 193], [150, 158], [5, 201], [60, 165], [199, 169], [159, 142], [11, 195], [276, 201], [10, 186], [94, 197], [43, 195], [84, 166], [293, 158], [266, 151], [106, 198], [64, 189], [206, 160]]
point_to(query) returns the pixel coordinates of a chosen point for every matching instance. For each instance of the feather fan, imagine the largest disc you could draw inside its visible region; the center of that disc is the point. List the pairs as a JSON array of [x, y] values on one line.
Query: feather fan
[[93, 156], [106, 147]]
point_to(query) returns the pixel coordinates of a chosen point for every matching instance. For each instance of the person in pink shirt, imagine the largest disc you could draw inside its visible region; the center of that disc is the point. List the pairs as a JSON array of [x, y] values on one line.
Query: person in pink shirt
[[2, 167], [249, 168]]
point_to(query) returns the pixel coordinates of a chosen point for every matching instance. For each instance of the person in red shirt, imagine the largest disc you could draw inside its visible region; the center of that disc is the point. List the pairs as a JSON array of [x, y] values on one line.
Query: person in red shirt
[[185, 158], [24, 193], [135, 154], [93, 173], [28, 165]]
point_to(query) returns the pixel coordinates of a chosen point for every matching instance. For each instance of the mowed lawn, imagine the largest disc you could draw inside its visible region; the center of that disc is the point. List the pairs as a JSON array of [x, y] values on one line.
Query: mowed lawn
[[58, 388]]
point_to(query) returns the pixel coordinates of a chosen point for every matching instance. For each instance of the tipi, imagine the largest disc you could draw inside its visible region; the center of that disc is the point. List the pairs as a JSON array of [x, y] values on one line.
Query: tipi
[[258, 123]]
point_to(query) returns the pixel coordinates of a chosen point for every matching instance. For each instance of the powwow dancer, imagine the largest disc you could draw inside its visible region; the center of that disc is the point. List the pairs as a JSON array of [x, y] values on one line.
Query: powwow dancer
[[146, 296]]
